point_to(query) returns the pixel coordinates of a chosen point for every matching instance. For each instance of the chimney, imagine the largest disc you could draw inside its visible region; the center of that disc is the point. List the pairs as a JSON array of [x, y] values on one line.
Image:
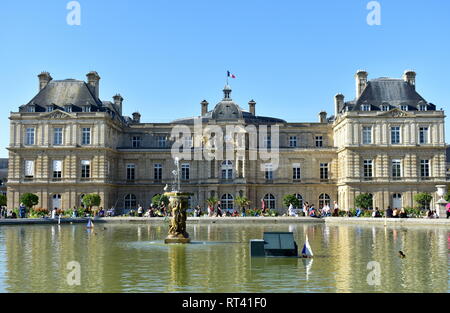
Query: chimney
[[204, 104], [338, 104], [136, 117], [251, 107], [94, 82], [361, 82], [410, 78], [323, 117], [118, 100], [44, 79]]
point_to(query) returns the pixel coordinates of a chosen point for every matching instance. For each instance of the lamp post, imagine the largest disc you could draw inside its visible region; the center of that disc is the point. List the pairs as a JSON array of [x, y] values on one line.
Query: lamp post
[[441, 203]]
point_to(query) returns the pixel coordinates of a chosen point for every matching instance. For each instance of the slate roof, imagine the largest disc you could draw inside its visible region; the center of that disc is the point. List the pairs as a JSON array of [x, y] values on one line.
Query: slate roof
[[388, 91], [65, 92]]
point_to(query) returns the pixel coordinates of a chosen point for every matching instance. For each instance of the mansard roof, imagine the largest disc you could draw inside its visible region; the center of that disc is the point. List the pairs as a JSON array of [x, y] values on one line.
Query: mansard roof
[[65, 92], [388, 91]]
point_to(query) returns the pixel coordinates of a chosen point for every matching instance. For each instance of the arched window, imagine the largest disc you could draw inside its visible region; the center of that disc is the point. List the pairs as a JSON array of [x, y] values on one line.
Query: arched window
[[130, 201], [227, 201], [324, 199], [300, 200], [56, 201], [269, 200], [227, 169]]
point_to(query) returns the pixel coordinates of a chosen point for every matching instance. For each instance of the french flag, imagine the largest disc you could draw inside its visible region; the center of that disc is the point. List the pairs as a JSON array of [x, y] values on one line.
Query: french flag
[[231, 75]]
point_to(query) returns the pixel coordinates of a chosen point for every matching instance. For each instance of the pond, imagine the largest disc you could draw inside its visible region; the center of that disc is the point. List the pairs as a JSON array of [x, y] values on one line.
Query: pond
[[133, 258]]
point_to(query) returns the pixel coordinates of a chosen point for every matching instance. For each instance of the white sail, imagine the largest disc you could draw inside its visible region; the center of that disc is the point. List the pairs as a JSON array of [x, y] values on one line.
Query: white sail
[[307, 248]]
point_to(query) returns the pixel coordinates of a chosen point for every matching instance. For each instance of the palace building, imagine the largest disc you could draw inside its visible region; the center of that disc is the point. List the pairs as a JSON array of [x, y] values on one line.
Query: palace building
[[66, 142]]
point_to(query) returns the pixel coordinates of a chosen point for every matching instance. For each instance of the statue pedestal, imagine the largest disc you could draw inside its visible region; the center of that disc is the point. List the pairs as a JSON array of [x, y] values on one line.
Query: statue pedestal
[[178, 203]]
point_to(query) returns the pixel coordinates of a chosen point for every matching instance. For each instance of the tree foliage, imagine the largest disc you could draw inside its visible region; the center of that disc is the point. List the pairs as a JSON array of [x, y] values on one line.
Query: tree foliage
[[3, 200], [291, 199], [158, 200], [364, 201], [91, 200], [423, 199], [212, 201], [242, 201], [29, 200]]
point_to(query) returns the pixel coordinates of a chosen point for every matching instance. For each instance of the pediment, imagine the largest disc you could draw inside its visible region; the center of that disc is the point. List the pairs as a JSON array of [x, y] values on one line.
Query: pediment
[[395, 113], [58, 114]]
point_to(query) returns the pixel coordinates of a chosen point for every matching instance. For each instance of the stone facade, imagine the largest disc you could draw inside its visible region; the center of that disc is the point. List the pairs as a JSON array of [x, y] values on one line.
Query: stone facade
[[66, 142]]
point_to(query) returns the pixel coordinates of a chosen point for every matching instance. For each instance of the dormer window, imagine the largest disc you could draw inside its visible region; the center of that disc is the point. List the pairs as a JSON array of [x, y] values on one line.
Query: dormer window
[[31, 109], [68, 108], [50, 108], [422, 107], [404, 107], [385, 107], [87, 108], [365, 107]]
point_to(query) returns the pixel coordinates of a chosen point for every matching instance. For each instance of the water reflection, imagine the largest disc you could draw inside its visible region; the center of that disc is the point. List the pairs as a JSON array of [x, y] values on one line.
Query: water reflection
[[121, 258]]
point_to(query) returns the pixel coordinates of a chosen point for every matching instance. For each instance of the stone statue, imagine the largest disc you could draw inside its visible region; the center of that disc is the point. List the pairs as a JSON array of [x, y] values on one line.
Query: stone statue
[[178, 203]]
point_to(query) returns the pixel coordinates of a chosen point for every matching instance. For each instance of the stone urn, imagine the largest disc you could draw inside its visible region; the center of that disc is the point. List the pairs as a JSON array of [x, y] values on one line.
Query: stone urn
[[441, 203], [178, 204]]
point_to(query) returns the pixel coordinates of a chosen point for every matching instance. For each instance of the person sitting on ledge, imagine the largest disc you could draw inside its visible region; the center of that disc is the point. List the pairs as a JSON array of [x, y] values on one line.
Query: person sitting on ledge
[[389, 212], [395, 213], [358, 212], [376, 212], [403, 213]]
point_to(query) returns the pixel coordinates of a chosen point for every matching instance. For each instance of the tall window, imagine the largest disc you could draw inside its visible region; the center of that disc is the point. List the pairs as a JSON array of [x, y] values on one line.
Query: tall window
[[29, 168], [367, 135], [269, 200], [404, 107], [368, 169], [157, 171], [187, 142], [423, 135], [29, 138], [130, 201], [296, 172], [131, 171], [384, 107], [161, 141], [136, 142], [86, 108], [424, 168], [57, 169], [185, 172], [227, 169], [323, 171], [319, 141], [396, 169], [324, 199], [86, 136], [57, 136], [292, 141], [227, 201], [85, 169], [268, 172], [395, 135]]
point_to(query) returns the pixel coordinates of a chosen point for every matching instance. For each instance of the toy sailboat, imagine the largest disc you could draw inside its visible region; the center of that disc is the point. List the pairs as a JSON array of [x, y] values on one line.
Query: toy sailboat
[[90, 224], [307, 251]]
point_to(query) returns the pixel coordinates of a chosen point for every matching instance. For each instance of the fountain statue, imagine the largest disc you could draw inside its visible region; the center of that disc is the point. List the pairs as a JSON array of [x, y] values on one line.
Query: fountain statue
[[178, 203]]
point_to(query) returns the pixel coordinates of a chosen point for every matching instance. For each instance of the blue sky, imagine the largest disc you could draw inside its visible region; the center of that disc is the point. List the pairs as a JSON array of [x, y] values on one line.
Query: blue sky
[[165, 56]]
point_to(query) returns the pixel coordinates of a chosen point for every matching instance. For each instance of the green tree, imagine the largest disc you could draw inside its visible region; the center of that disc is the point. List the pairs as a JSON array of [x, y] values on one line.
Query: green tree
[[91, 200], [423, 199], [242, 202], [2, 200], [447, 197], [364, 201], [29, 200], [157, 200], [291, 199]]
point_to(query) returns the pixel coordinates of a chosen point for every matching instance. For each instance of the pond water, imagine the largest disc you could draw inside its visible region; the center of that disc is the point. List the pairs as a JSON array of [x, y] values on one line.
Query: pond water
[[133, 258]]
